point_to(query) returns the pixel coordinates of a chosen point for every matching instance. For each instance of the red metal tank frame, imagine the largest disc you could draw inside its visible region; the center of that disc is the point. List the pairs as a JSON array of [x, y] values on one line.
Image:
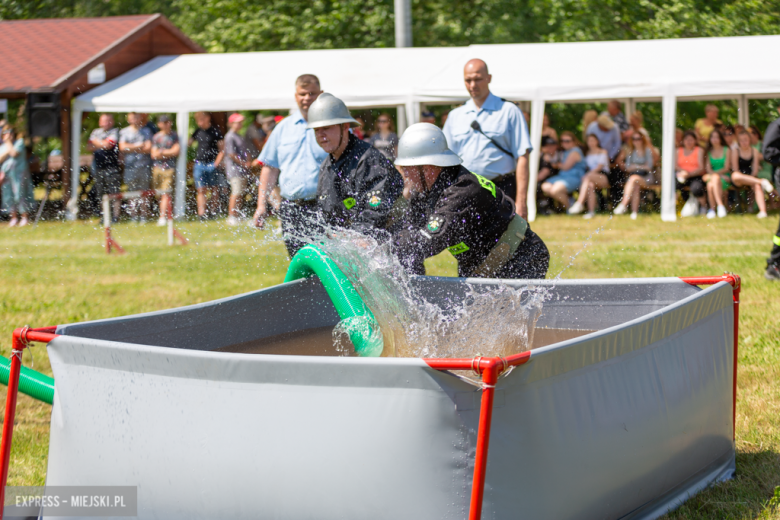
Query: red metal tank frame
[[488, 367]]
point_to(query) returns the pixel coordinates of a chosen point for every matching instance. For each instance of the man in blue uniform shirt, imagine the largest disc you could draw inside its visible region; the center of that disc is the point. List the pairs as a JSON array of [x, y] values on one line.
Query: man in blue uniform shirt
[[292, 156], [491, 136]]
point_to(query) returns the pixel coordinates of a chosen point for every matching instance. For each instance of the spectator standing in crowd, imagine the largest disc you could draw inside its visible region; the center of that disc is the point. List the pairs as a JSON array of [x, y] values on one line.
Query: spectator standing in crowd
[[15, 177], [103, 142], [755, 140], [689, 168], [771, 152], [717, 161], [587, 118], [358, 186], [547, 130], [237, 166], [744, 163], [135, 142], [385, 139], [149, 124], [704, 126], [452, 208], [165, 150], [358, 130], [207, 157], [255, 136], [268, 126], [597, 160], [491, 136], [638, 163], [428, 117], [617, 116], [292, 156], [571, 169]]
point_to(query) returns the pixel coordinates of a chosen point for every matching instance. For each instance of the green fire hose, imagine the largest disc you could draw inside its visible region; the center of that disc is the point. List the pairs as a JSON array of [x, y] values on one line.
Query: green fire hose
[[31, 382], [356, 318]]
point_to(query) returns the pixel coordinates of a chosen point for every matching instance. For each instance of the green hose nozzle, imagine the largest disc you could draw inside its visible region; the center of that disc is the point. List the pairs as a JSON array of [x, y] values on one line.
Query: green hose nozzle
[[356, 318]]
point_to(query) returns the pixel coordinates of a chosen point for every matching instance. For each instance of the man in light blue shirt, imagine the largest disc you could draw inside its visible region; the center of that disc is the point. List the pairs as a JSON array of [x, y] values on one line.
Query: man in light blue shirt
[[491, 136], [292, 156]]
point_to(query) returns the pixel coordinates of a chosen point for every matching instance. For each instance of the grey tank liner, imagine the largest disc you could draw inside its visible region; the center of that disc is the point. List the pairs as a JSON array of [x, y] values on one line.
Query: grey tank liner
[[624, 422]]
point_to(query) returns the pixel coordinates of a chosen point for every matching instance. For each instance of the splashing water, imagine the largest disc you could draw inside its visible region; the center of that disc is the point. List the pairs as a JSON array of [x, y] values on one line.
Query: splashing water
[[489, 320]]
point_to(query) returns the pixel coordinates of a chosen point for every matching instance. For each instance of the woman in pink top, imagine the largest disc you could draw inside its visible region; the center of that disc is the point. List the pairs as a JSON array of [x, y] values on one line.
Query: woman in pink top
[[689, 168]]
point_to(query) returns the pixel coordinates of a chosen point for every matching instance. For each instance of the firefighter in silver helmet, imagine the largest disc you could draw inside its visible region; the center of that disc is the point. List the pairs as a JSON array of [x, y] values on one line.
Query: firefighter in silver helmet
[[452, 208], [358, 186]]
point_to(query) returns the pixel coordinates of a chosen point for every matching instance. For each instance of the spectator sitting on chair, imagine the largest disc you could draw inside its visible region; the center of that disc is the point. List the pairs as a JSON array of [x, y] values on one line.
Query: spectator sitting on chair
[[135, 142], [689, 168], [207, 158], [103, 142], [15, 177], [572, 167], [547, 159], [237, 166], [744, 163], [587, 118], [704, 126], [596, 178], [165, 150], [718, 165], [638, 163], [755, 140]]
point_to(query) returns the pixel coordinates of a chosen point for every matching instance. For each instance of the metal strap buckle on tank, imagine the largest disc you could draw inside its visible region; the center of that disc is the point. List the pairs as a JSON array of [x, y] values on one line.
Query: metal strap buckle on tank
[[504, 249]]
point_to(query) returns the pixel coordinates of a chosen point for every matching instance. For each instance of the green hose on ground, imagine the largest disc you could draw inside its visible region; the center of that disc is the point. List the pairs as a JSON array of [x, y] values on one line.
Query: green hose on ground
[[31, 382], [356, 318]]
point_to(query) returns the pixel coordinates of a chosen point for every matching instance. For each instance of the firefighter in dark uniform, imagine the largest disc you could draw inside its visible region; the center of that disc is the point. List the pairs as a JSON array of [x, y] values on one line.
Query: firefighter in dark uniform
[[358, 186], [452, 208]]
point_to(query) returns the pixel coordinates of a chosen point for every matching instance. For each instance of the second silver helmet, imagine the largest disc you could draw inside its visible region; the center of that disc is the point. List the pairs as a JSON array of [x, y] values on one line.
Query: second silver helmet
[[424, 143], [329, 110]]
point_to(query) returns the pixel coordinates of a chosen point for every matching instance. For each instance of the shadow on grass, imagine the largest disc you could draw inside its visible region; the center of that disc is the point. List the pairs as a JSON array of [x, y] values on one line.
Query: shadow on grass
[[747, 495]]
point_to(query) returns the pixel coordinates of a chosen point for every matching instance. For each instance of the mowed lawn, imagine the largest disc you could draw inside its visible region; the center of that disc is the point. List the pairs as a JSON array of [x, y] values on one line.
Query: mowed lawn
[[59, 273]]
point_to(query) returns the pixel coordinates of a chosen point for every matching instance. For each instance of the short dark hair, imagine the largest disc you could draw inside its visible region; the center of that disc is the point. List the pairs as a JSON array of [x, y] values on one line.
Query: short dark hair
[[307, 79]]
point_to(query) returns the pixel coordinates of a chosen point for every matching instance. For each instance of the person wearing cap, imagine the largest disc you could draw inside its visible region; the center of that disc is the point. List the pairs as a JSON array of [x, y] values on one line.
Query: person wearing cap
[[237, 166], [165, 150], [491, 136], [463, 212], [358, 186], [292, 156]]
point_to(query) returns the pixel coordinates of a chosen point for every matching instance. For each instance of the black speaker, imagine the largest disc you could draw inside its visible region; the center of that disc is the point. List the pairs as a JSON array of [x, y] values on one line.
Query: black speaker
[[43, 114]]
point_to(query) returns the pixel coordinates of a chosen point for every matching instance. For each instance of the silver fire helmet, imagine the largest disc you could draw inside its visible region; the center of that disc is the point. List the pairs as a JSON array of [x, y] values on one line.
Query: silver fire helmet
[[329, 110], [422, 144]]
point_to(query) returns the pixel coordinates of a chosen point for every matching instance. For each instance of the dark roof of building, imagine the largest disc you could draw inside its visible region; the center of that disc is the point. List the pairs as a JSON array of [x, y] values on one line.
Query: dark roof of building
[[47, 54]]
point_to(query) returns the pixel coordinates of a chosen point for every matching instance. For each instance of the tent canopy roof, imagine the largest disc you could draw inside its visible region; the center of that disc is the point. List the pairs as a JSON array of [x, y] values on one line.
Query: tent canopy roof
[[265, 80], [384, 77], [617, 69]]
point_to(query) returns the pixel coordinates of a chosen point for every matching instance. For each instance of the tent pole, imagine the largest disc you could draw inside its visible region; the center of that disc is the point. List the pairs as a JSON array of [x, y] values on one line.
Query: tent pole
[[400, 119], [537, 122], [744, 115], [668, 149], [412, 112], [75, 164], [183, 129]]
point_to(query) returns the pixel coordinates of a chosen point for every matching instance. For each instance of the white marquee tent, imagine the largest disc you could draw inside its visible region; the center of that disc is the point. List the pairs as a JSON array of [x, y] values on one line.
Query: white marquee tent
[[651, 70]]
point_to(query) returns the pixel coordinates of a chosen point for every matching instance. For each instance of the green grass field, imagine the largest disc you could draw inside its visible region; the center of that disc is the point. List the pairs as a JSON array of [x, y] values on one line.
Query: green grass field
[[59, 273]]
